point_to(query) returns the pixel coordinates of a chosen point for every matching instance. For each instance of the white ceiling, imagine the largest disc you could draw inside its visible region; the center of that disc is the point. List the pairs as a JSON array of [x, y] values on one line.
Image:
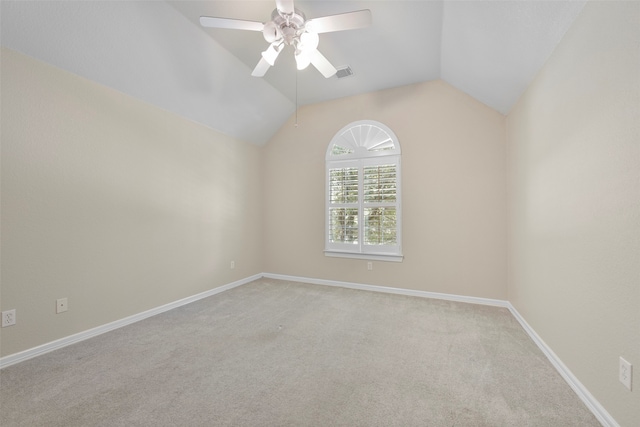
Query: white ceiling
[[156, 51]]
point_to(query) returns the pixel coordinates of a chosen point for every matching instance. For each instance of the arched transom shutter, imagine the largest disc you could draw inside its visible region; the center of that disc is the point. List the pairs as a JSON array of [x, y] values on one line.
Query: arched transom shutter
[[363, 139]]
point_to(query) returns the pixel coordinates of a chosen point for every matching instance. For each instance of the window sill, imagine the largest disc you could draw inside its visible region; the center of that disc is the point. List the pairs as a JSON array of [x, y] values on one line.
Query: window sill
[[370, 257]]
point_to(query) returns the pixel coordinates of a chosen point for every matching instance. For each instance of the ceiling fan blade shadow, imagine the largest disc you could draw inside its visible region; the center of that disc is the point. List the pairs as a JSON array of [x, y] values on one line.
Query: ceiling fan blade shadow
[[261, 68], [285, 6], [322, 64], [341, 22], [232, 24]]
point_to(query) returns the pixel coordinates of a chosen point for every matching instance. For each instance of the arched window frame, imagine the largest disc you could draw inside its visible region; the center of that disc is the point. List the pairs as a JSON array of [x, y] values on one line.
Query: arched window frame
[[363, 146]]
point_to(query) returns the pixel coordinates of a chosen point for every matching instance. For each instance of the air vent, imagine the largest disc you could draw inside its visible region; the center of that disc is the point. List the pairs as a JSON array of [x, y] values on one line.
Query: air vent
[[344, 72]]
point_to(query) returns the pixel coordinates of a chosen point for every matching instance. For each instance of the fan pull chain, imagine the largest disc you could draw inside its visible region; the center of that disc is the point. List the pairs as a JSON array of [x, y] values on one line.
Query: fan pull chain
[[296, 124]]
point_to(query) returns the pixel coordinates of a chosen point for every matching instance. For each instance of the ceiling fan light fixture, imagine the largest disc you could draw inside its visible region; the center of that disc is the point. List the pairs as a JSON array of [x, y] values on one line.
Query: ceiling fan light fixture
[[308, 41], [303, 59], [271, 54], [271, 32]]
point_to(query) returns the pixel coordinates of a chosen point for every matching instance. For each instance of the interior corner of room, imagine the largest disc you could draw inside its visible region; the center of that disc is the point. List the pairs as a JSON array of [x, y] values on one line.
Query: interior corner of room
[[118, 204]]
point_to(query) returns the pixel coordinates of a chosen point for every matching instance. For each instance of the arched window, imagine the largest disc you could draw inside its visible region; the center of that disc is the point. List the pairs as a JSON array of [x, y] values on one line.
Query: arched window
[[363, 193]]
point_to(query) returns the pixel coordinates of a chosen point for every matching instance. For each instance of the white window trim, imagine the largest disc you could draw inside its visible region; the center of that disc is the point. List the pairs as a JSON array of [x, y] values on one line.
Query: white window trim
[[370, 257], [362, 158]]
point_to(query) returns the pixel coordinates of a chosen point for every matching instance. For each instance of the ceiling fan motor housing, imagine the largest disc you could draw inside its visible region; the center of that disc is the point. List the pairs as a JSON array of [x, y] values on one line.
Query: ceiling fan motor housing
[[286, 26]]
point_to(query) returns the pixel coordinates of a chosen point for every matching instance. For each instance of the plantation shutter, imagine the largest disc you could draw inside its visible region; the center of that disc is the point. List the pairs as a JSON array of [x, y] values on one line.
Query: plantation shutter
[[363, 210]]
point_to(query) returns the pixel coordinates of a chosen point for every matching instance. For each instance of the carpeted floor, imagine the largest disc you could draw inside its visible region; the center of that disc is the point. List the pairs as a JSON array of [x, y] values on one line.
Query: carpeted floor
[[274, 353]]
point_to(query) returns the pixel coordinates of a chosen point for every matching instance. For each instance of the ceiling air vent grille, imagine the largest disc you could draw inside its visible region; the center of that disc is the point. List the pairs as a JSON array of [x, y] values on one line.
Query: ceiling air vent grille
[[344, 72]]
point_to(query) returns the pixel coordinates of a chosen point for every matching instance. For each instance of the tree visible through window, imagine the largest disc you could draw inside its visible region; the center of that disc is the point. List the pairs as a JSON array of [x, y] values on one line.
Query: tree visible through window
[[363, 193]]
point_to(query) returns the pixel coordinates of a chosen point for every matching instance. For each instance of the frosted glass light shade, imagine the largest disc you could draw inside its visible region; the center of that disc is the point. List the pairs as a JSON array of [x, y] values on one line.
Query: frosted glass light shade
[[308, 41], [270, 54], [303, 59]]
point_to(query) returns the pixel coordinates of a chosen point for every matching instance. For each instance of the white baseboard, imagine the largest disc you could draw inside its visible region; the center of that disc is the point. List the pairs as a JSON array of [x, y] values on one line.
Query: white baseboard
[[12, 359], [587, 398], [389, 290], [581, 391]]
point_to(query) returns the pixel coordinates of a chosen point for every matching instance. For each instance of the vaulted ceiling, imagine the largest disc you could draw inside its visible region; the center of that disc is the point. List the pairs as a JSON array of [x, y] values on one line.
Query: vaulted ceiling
[[158, 52]]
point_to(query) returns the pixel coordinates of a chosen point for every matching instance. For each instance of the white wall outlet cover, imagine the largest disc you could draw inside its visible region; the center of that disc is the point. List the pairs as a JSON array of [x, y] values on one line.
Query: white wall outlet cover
[[626, 373], [8, 318]]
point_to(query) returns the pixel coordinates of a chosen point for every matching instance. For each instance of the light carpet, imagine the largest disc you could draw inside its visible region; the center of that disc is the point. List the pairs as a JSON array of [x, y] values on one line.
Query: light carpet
[[276, 353]]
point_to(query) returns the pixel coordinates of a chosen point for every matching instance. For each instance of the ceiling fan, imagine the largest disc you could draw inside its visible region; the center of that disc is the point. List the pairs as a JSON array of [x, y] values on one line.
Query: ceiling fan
[[289, 27]]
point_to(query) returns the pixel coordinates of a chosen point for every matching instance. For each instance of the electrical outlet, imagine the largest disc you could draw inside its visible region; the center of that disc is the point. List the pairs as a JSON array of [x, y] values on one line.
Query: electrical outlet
[[8, 318], [369, 266], [233, 265], [61, 305], [626, 372]]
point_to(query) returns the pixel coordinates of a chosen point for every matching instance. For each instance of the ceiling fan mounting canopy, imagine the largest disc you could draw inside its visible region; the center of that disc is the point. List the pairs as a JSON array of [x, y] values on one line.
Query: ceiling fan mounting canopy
[[289, 27]]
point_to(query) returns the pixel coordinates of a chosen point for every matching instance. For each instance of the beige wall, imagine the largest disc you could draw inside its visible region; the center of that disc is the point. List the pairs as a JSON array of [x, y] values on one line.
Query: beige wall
[[122, 207], [114, 204], [574, 202], [453, 201]]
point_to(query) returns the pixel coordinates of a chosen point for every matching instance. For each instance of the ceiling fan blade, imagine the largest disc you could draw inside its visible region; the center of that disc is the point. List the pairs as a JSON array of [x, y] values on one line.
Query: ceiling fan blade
[[322, 64], [341, 22], [232, 24], [261, 69], [285, 6]]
